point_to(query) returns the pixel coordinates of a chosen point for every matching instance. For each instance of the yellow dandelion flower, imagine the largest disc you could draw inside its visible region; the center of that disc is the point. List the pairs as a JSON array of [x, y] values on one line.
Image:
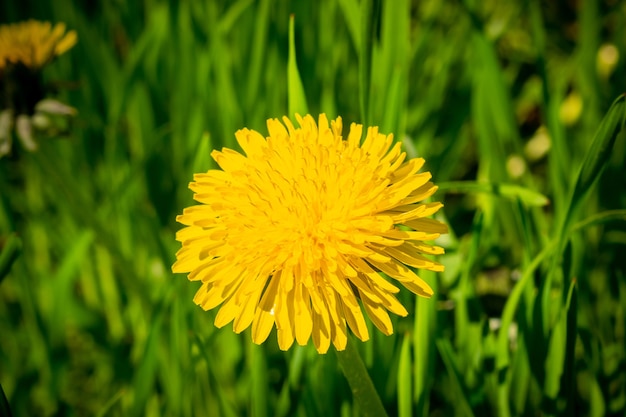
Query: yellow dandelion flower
[[307, 229], [33, 43]]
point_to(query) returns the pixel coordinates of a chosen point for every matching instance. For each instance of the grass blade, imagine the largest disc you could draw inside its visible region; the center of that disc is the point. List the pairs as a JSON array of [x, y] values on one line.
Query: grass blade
[[462, 405], [296, 95], [424, 347], [405, 403], [592, 166], [258, 380], [502, 349], [558, 351], [599, 154], [5, 410], [510, 191], [369, 12], [10, 251]]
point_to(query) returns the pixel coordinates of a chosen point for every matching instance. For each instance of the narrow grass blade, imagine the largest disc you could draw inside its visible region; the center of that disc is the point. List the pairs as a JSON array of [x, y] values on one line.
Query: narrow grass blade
[[424, 346], [600, 218], [597, 403], [391, 72], [369, 15], [145, 376], [502, 352], [591, 169], [226, 408], [62, 285], [405, 403], [11, 249], [258, 380], [225, 85], [598, 155], [462, 404], [5, 410], [568, 378], [104, 411], [557, 352], [594, 163], [296, 95], [351, 14], [202, 159], [520, 378], [286, 399], [560, 154], [462, 326], [511, 191], [258, 52]]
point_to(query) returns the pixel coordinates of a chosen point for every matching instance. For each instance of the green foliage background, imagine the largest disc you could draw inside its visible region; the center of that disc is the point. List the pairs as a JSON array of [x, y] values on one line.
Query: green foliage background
[[529, 316]]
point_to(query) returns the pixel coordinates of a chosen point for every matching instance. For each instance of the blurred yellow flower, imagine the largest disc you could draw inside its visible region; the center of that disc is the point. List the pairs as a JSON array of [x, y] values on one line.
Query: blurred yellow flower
[[25, 48], [297, 232], [33, 43]]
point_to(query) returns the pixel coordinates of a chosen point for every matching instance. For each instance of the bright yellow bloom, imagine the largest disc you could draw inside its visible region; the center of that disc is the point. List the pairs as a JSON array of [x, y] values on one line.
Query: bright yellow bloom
[[297, 232], [33, 43]]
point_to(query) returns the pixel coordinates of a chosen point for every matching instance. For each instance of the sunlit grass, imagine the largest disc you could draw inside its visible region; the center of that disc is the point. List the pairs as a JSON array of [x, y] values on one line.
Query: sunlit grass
[[506, 103]]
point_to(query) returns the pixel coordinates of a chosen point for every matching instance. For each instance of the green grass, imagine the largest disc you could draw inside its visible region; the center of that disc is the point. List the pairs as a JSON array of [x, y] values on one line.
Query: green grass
[[529, 317]]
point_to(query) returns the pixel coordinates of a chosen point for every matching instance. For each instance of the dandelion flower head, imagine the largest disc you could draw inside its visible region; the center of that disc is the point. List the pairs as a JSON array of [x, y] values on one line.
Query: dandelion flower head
[[33, 43], [307, 230]]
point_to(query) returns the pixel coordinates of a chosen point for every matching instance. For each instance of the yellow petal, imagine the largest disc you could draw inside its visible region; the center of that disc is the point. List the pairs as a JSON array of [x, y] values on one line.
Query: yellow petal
[[355, 135], [427, 226], [252, 142], [264, 317], [374, 277], [321, 331], [227, 313], [355, 320], [340, 335], [229, 160], [407, 277], [303, 322], [285, 319], [405, 255], [379, 316], [66, 43], [202, 293], [409, 168], [247, 313]]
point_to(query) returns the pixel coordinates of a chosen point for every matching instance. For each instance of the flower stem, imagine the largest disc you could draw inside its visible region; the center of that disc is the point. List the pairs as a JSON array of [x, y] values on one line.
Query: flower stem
[[363, 390]]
